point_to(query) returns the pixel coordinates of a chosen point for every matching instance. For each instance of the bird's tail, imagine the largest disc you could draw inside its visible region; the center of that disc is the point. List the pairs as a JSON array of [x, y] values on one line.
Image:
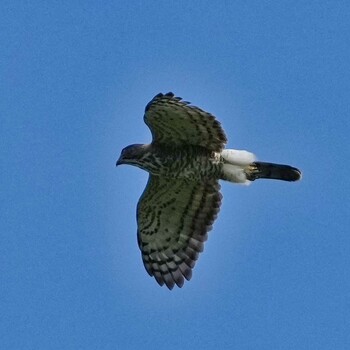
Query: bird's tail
[[241, 167], [261, 170]]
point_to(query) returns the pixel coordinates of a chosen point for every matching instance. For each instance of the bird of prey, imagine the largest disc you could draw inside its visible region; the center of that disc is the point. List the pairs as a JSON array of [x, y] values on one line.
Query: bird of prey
[[185, 161]]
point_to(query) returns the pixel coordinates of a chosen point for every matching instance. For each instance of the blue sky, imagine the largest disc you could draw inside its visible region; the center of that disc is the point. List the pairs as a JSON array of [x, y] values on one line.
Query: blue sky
[[75, 78]]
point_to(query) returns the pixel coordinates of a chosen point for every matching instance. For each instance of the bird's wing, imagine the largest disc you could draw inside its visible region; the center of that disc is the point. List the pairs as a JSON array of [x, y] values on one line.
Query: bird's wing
[[175, 122], [174, 217]]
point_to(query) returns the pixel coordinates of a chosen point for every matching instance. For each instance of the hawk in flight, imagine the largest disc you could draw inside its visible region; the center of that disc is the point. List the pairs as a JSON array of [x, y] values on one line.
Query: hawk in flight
[[185, 161]]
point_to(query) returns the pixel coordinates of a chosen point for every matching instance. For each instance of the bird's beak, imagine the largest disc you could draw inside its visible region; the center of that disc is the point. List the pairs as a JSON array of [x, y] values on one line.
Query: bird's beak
[[119, 162]]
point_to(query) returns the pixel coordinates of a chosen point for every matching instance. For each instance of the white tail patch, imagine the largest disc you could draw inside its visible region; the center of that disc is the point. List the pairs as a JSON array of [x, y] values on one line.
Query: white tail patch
[[235, 173], [238, 157], [236, 162]]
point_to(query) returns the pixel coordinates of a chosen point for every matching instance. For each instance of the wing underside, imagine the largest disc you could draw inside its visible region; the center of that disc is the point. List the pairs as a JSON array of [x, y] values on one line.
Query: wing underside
[[174, 217], [176, 122]]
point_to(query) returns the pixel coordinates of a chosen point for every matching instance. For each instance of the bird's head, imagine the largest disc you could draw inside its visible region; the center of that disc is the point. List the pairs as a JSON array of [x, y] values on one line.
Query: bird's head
[[132, 155]]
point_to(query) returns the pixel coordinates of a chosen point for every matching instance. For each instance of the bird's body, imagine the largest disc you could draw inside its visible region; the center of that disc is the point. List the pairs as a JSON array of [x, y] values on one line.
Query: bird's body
[[185, 160], [188, 162]]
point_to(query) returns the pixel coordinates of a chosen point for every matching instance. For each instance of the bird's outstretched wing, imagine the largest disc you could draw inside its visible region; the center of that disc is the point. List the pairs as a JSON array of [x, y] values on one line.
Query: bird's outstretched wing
[[175, 122], [174, 217]]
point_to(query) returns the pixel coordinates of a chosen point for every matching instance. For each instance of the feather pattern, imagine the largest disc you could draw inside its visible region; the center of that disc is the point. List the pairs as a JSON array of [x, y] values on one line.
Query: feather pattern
[[174, 217], [175, 122]]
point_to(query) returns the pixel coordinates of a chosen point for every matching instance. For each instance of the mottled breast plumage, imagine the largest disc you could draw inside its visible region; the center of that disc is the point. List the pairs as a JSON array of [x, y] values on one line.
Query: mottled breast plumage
[[191, 162]]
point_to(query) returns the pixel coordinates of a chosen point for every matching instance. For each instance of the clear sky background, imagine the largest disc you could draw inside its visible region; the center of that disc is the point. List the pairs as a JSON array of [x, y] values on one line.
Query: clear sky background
[[74, 80]]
